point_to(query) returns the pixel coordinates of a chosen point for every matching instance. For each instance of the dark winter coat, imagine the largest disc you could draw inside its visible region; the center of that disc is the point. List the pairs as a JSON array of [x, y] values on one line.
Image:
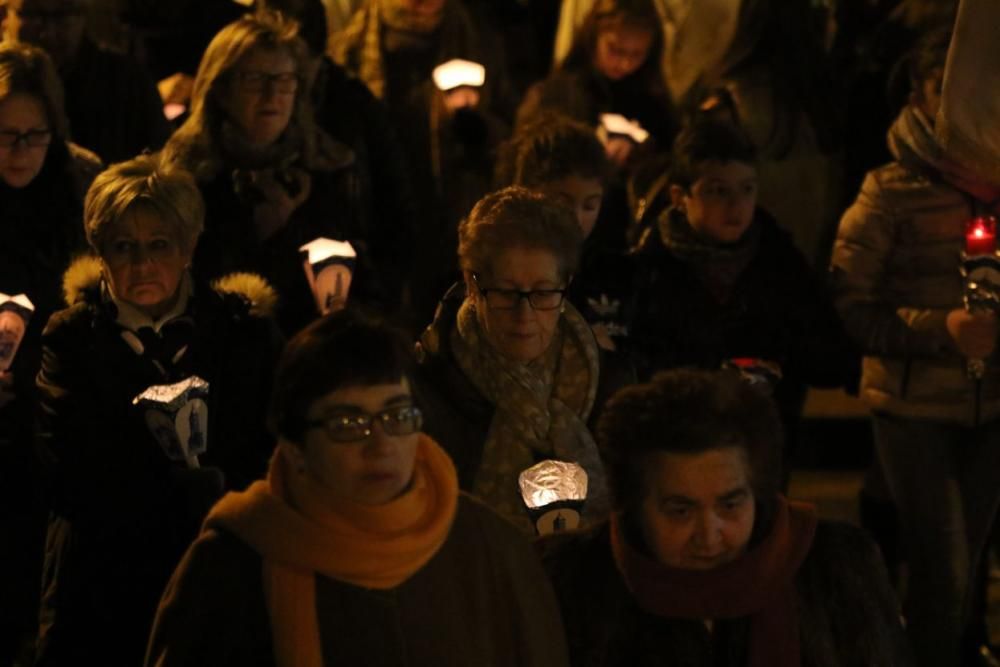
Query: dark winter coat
[[122, 512], [456, 415], [848, 614], [41, 230], [778, 310], [583, 94], [346, 109], [229, 242], [483, 599], [113, 105]]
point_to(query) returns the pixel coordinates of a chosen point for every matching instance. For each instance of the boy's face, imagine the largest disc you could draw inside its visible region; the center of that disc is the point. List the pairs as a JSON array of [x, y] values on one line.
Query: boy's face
[[720, 204]]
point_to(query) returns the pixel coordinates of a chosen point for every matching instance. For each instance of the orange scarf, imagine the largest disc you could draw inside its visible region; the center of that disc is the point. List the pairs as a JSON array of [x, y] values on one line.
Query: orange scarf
[[299, 531]]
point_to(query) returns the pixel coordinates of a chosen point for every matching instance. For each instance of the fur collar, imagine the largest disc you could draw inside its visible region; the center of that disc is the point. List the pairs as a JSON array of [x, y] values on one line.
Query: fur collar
[[82, 284]]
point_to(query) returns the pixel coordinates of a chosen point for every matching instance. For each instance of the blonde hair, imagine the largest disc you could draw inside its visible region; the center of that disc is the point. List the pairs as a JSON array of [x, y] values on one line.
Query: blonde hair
[[144, 183], [194, 146]]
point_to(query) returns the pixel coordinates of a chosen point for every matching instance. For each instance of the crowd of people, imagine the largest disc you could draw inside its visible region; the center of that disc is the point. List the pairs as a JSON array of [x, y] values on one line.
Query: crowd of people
[[573, 289]]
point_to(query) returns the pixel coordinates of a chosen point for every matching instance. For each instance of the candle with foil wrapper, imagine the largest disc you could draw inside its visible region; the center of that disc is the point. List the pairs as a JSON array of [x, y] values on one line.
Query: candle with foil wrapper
[[177, 416], [554, 493], [15, 313], [329, 267], [459, 73], [760, 374], [616, 125]]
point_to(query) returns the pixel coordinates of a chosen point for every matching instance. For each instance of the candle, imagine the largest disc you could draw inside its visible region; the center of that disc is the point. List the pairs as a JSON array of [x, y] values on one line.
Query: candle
[[980, 237]]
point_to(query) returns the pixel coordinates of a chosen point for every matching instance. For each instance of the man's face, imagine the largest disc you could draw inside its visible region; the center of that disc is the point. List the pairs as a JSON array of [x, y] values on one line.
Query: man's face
[[57, 26]]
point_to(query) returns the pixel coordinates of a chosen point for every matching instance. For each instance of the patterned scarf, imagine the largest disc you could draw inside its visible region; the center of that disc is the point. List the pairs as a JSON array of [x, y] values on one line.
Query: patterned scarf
[[299, 531], [541, 411]]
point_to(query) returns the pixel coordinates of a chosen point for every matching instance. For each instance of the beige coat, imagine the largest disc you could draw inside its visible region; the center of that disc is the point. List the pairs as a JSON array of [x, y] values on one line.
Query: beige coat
[[896, 276]]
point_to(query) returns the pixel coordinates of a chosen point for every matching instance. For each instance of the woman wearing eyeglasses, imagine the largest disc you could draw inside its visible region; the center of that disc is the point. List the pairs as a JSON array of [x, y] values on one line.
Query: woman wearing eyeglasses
[[510, 372], [43, 178], [358, 548], [272, 180]]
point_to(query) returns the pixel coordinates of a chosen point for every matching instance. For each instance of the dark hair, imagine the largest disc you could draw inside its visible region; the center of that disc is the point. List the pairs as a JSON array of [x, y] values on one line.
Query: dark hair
[[344, 349], [708, 140], [551, 147], [609, 14], [29, 70], [688, 411], [929, 54], [516, 217]]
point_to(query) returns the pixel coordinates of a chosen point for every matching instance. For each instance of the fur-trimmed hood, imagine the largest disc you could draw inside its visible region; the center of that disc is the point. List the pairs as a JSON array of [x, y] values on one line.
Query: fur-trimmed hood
[[82, 283]]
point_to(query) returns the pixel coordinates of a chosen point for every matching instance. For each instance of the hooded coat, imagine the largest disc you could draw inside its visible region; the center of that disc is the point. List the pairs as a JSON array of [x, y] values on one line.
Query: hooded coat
[[122, 511]]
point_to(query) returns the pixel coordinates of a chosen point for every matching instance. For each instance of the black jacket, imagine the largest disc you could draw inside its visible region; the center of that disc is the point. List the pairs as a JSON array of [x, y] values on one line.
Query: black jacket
[[848, 614], [456, 415], [122, 511]]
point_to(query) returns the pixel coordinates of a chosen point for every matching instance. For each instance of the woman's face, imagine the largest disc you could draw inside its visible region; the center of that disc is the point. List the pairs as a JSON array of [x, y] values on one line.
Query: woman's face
[[621, 50], [261, 95], [24, 139], [583, 195], [370, 471], [720, 204], [698, 510], [512, 326], [144, 261]]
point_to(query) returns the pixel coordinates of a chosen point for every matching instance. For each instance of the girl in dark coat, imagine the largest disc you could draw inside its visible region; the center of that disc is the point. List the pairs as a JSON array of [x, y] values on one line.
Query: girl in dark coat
[[129, 491], [703, 563]]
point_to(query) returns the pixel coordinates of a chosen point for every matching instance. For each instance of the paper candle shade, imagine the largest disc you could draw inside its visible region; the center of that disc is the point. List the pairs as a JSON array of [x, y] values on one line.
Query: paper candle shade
[[15, 313], [981, 236], [554, 493], [177, 416], [457, 73], [329, 267], [613, 124]]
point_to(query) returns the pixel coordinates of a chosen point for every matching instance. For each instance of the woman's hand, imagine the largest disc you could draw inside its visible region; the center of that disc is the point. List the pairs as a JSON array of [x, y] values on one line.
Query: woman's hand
[[975, 334], [280, 199]]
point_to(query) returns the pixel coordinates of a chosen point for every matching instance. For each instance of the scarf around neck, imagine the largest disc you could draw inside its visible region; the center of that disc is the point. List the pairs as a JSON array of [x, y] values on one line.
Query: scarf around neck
[[301, 531], [760, 584], [912, 141], [541, 411], [717, 265]]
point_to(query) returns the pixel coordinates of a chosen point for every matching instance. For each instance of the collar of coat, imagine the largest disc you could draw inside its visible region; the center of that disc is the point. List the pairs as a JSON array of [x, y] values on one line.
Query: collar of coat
[[83, 279]]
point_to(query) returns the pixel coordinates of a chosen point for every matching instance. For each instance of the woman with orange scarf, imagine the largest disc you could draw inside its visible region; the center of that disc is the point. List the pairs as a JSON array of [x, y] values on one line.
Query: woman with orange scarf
[[358, 547], [703, 563]]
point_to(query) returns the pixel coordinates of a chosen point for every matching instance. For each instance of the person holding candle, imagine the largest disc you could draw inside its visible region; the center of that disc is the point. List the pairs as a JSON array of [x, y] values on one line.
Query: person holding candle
[[124, 506], [358, 548], [703, 562], [271, 179], [43, 178], [896, 276], [510, 373]]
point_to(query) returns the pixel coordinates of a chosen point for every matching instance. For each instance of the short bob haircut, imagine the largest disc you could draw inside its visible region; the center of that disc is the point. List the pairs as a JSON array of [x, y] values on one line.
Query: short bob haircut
[[688, 411], [28, 70], [549, 148], [344, 349], [708, 138], [144, 183], [196, 144], [516, 217]]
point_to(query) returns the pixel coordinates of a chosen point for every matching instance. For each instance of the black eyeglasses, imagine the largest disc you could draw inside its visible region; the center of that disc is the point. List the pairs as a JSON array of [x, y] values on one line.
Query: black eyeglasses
[[355, 427], [32, 138], [256, 82], [509, 299]]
